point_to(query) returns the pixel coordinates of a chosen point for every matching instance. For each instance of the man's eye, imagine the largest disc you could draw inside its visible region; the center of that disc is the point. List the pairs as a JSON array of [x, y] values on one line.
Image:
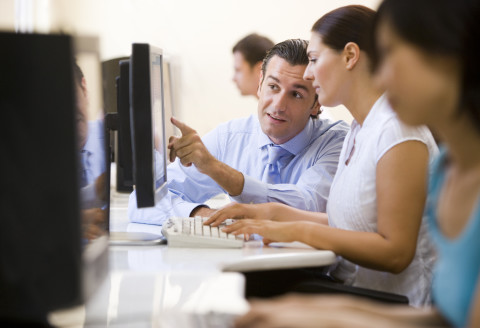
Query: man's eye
[[313, 60], [273, 86], [297, 95]]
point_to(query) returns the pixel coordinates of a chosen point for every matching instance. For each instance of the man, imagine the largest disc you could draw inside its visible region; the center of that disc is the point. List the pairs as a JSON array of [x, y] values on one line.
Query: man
[[91, 145], [90, 133], [248, 55], [286, 154]]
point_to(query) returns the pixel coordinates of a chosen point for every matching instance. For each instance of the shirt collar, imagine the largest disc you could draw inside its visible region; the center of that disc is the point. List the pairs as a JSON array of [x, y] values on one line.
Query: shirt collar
[[294, 145], [380, 103]]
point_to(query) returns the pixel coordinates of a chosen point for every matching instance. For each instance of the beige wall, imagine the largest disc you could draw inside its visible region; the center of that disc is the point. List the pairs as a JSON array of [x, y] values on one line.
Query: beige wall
[[196, 35], [7, 14]]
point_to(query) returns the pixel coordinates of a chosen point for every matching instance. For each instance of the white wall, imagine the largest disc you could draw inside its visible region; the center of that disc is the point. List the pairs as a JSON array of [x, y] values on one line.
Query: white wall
[[196, 35]]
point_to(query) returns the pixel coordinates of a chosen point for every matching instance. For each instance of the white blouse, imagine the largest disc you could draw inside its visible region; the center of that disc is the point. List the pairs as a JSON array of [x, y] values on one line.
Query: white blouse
[[352, 203]]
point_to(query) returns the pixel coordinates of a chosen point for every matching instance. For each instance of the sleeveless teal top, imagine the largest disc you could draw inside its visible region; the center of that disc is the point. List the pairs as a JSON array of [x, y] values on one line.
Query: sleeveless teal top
[[457, 269]]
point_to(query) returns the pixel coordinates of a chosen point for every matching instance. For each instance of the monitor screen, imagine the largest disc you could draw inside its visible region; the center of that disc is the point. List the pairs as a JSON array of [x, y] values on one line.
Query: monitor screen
[[148, 124], [54, 202], [169, 99]]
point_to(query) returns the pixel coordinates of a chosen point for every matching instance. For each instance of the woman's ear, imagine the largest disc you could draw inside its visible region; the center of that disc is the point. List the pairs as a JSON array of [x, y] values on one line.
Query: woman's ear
[[351, 54]]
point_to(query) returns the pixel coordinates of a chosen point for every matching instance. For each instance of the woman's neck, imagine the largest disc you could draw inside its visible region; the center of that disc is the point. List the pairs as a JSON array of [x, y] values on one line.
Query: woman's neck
[[463, 141], [361, 98]]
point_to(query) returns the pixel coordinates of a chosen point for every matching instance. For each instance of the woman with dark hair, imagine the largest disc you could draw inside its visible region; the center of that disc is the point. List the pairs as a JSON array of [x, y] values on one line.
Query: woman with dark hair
[[375, 208], [429, 66]]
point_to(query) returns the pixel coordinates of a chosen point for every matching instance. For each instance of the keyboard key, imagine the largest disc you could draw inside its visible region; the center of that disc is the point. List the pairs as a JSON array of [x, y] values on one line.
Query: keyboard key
[[198, 226], [223, 234], [214, 232], [206, 230], [186, 226]]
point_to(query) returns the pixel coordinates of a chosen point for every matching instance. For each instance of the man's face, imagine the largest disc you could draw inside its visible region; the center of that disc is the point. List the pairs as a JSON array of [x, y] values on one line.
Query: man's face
[[286, 100], [245, 77]]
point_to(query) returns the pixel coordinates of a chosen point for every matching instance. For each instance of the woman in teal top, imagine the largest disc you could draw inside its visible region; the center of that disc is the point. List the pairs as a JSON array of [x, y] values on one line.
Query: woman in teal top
[[458, 266], [429, 63]]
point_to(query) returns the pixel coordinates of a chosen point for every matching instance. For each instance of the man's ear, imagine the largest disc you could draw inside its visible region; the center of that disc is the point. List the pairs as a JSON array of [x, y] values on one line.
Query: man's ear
[[315, 111], [257, 68], [351, 54], [260, 80], [83, 84]]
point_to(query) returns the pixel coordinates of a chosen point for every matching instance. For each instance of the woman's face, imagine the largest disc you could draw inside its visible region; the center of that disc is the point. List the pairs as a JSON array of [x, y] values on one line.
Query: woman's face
[[422, 88], [326, 71]]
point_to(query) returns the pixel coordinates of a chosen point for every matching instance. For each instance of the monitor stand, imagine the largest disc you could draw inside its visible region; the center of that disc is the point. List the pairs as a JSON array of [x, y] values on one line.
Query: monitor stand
[[130, 238]]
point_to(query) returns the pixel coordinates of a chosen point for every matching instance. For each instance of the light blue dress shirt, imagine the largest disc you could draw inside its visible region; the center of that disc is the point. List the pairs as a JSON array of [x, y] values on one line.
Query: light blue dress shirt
[[93, 153], [93, 164], [241, 144]]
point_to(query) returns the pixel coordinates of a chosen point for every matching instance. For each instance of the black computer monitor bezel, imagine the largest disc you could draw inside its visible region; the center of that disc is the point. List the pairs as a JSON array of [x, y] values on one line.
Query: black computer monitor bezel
[[45, 265], [147, 188], [124, 136]]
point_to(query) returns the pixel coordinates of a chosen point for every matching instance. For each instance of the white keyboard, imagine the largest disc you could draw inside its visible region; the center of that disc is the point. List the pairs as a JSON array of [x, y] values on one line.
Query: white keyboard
[[197, 320], [190, 232]]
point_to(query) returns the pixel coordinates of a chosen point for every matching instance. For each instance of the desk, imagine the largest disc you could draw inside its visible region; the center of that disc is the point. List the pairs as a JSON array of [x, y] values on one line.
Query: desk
[[144, 281]]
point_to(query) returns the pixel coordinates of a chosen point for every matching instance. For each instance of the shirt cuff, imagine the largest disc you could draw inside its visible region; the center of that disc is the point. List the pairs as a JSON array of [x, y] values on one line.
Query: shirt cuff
[[254, 191], [167, 207], [182, 208], [199, 206]]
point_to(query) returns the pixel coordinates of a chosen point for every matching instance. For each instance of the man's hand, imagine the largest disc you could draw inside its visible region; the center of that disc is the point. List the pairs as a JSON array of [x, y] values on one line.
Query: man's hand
[[190, 149]]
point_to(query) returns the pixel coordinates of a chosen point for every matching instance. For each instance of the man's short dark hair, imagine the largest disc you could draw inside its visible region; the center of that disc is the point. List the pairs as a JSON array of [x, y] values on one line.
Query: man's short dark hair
[[253, 47], [294, 52]]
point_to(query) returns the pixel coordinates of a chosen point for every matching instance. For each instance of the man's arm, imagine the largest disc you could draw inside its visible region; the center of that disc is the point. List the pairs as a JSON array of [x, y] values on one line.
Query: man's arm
[[309, 193]]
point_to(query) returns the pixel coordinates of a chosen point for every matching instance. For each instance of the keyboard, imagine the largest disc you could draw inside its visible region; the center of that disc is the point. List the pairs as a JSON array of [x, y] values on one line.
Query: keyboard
[[190, 232], [197, 320]]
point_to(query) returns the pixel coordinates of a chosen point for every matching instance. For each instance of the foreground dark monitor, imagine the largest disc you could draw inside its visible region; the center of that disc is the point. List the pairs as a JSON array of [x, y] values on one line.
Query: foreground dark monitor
[[148, 124], [53, 242], [124, 137]]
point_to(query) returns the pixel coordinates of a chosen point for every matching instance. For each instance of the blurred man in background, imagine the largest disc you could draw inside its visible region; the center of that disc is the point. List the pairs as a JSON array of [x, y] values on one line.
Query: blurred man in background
[[248, 55]]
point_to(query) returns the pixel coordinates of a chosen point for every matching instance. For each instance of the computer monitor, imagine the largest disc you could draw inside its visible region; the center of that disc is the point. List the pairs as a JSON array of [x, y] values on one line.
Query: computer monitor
[[124, 154], [53, 241], [169, 99], [110, 71], [148, 124]]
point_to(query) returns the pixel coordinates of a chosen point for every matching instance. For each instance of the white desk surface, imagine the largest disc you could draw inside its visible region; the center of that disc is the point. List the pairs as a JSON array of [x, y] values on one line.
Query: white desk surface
[[144, 281], [253, 256]]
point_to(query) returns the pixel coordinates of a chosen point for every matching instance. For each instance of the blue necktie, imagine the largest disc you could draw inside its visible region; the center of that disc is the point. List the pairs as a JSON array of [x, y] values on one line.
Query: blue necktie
[[277, 157]]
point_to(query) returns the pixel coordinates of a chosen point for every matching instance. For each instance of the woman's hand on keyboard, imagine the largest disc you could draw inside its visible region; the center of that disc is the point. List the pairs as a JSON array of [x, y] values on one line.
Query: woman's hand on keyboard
[[270, 230], [238, 211]]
